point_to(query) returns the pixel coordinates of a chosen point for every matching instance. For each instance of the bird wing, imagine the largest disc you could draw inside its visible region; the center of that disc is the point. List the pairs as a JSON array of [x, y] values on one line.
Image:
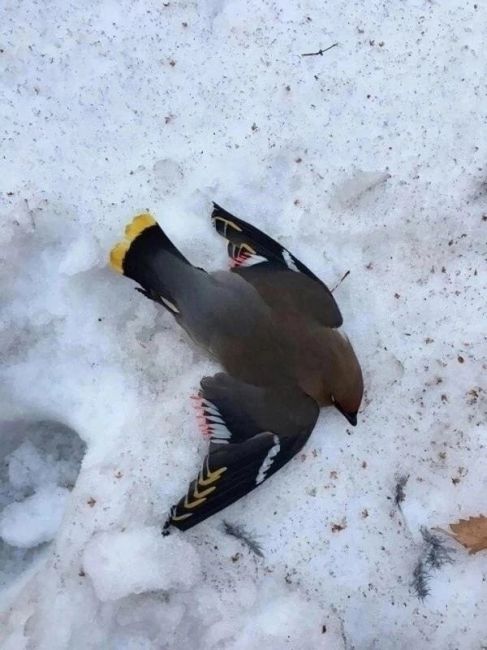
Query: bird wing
[[282, 280], [253, 432]]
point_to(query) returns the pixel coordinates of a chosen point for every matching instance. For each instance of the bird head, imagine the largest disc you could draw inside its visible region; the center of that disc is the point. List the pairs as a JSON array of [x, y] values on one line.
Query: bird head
[[349, 412], [347, 386], [333, 375]]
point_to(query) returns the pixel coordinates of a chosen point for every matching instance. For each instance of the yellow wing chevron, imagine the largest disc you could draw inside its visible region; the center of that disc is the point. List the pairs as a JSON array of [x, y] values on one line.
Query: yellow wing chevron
[[226, 223], [193, 504], [246, 247], [176, 517], [200, 495], [211, 477], [198, 491]]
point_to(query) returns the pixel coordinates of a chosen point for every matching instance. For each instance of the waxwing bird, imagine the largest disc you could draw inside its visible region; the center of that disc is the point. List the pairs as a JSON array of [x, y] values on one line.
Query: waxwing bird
[[273, 326]]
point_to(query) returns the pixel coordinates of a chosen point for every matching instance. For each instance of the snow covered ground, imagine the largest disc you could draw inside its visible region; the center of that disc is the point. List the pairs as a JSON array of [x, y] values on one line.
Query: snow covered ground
[[371, 158]]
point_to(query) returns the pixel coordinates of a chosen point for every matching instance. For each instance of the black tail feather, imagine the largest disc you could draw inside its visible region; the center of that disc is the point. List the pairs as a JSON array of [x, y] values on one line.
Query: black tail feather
[[147, 255]]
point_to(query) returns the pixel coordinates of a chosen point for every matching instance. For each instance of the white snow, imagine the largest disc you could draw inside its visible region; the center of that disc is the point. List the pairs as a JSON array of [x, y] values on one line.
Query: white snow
[[351, 189], [137, 561], [370, 158], [34, 520], [30, 467]]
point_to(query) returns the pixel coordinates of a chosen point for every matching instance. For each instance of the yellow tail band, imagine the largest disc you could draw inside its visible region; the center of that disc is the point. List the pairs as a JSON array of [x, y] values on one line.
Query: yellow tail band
[[132, 231]]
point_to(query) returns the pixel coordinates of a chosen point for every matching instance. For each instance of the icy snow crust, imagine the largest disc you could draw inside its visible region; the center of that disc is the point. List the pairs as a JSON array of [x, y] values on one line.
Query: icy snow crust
[[369, 158]]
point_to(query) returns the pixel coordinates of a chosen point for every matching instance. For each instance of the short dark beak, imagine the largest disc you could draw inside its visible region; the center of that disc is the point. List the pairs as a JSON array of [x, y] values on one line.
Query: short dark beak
[[351, 417]]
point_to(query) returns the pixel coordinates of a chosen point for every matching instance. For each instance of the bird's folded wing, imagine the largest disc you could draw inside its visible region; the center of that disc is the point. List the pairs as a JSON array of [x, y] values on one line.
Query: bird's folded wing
[[283, 281], [253, 432]]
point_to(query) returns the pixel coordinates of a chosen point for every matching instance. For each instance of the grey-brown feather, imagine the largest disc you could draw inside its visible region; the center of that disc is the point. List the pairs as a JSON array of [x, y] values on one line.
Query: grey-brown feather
[[255, 342]]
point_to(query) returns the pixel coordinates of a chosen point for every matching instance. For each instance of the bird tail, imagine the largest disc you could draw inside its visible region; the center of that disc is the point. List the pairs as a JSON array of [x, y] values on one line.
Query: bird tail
[[148, 256]]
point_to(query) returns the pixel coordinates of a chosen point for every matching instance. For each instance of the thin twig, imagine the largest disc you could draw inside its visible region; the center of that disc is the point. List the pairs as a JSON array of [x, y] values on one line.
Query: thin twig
[[320, 52], [345, 275]]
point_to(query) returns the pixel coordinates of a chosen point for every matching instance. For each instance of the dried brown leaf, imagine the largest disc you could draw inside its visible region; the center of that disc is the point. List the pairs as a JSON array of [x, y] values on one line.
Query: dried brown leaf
[[471, 533]]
